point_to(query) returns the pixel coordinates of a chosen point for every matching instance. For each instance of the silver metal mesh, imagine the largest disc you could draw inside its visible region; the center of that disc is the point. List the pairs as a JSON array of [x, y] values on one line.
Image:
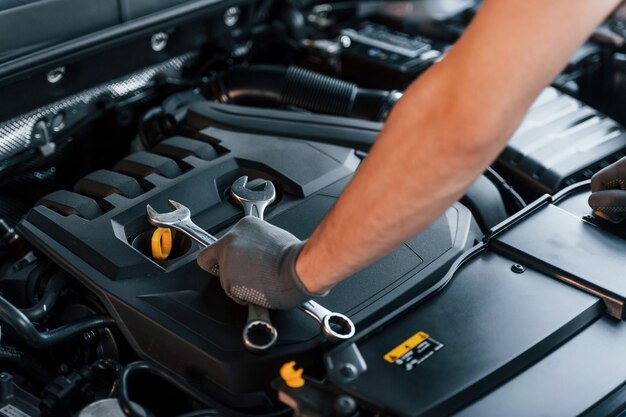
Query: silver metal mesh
[[16, 134]]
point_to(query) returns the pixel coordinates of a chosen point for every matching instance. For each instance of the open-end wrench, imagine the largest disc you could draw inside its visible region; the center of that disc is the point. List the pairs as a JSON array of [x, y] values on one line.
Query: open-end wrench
[[335, 326], [180, 219], [259, 334], [253, 201]]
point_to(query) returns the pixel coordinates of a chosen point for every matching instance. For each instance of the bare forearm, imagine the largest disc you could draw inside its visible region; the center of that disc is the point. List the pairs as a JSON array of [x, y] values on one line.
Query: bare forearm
[[446, 130], [419, 166]]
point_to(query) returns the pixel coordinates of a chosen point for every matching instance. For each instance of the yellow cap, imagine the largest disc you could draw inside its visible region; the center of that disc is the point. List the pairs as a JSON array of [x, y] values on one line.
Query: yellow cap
[[161, 244], [291, 375]]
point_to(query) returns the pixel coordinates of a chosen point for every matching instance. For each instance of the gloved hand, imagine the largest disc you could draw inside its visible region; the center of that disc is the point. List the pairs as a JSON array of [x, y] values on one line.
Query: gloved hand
[[257, 265], [608, 188]]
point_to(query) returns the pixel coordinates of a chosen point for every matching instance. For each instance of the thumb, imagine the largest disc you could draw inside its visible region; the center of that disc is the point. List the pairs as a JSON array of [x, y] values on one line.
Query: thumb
[[611, 177], [608, 201]]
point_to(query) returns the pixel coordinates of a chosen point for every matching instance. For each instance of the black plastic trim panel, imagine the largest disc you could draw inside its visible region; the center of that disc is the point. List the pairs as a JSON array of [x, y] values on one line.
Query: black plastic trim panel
[[111, 37]]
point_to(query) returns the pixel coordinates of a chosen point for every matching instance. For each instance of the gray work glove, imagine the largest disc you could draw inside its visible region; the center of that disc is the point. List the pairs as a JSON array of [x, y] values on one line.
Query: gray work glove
[[257, 265], [608, 188]]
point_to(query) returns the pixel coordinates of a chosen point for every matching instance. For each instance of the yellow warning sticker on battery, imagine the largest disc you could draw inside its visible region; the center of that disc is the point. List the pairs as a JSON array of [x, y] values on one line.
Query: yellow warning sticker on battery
[[413, 351], [406, 346]]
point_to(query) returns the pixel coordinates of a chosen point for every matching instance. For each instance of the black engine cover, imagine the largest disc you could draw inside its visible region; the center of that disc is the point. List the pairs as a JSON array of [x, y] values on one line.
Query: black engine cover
[[174, 313]]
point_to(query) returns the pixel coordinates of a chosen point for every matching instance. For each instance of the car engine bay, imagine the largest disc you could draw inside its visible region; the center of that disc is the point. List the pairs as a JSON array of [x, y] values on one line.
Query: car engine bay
[[511, 300]]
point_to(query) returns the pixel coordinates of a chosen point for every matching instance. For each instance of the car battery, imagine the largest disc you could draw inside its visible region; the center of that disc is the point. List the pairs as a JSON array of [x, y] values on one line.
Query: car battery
[[376, 56]]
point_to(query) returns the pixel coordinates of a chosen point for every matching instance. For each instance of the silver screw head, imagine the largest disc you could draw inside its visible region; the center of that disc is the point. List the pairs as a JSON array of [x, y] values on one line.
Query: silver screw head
[[231, 16], [158, 41], [55, 75]]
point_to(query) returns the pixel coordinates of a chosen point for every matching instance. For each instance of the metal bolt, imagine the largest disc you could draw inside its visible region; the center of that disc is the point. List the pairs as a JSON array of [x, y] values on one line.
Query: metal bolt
[[231, 16], [89, 335], [345, 41], [158, 41], [344, 406], [348, 371], [241, 50], [58, 122], [55, 75], [517, 268]]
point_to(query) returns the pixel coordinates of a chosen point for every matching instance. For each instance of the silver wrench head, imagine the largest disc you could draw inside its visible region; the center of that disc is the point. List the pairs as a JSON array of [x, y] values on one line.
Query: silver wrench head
[[240, 192], [179, 214], [259, 336], [336, 326]]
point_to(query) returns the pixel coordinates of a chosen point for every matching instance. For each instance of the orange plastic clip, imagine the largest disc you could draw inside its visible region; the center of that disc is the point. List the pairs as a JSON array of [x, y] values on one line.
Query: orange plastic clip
[[291, 375]]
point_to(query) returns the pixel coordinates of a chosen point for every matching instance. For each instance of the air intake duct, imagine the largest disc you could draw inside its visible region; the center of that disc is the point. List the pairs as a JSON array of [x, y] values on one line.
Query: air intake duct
[[271, 86]]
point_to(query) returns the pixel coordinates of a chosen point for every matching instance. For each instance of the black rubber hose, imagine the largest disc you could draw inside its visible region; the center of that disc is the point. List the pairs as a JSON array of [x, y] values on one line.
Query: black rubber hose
[[295, 22], [270, 85], [182, 385], [34, 338], [16, 360], [33, 279], [48, 299]]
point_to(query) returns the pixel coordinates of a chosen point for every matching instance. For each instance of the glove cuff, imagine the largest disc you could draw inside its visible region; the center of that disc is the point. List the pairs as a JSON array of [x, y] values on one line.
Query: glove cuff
[[290, 269]]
